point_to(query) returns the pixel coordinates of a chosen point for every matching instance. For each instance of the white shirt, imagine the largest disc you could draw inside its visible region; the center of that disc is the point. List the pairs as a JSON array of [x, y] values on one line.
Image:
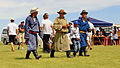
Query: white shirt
[[12, 28], [74, 33], [46, 24], [116, 34], [92, 27]]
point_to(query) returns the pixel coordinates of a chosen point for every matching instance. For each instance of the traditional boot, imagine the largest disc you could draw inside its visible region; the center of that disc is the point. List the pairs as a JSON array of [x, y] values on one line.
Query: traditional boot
[[85, 52], [36, 54], [52, 53], [80, 52], [28, 54], [74, 54], [68, 54]]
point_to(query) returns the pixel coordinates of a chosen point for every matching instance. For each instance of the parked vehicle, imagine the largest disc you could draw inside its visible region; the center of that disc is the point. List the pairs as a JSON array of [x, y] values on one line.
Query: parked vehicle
[[5, 38]]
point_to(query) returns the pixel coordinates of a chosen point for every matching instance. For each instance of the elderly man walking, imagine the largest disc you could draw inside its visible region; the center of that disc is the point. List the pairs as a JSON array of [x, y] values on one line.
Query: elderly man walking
[[60, 42], [32, 27]]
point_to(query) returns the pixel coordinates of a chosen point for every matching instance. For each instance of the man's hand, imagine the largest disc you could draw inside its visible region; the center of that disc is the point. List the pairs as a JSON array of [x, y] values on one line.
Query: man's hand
[[22, 30], [16, 37]]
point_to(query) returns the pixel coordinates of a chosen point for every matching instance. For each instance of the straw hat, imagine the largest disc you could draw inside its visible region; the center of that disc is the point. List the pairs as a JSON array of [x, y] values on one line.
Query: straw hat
[[61, 12], [84, 12], [33, 10]]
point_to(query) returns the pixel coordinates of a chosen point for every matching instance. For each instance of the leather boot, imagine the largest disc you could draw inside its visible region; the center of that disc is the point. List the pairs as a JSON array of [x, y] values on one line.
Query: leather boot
[[28, 54], [84, 50], [74, 54], [68, 54], [52, 53], [36, 54], [80, 52]]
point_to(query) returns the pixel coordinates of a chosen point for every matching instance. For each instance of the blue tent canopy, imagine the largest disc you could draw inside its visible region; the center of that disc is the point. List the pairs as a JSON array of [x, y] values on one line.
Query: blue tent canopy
[[98, 23]]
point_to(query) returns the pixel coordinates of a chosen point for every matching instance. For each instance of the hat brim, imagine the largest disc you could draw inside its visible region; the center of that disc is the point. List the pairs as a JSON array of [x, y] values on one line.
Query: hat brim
[[62, 13], [83, 13], [34, 11]]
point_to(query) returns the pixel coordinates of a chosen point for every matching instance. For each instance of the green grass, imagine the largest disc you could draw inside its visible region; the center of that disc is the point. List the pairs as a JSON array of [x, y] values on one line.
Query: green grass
[[101, 57]]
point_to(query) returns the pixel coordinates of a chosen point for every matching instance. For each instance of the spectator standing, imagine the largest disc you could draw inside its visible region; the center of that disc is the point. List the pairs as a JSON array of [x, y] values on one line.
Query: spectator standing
[[115, 35], [111, 37], [21, 35]]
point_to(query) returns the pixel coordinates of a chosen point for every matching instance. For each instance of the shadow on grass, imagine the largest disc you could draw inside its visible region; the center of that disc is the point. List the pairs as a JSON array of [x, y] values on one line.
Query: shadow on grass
[[56, 57], [43, 57], [21, 58]]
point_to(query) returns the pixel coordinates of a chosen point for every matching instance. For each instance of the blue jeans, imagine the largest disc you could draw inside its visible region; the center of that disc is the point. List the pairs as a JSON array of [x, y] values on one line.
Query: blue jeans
[[76, 44]]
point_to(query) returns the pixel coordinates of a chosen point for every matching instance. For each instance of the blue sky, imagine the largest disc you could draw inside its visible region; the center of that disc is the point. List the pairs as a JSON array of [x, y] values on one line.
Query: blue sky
[[106, 10]]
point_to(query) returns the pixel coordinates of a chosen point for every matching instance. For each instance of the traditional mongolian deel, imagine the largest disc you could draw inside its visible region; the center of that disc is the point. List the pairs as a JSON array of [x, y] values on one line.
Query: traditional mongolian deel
[[83, 27], [31, 29], [61, 39]]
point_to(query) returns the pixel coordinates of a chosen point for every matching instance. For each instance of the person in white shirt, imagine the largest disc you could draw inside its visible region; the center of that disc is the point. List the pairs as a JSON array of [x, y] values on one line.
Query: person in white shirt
[[47, 28], [12, 32], [89, 34], [115, 36], [75, 37], [111, 37]]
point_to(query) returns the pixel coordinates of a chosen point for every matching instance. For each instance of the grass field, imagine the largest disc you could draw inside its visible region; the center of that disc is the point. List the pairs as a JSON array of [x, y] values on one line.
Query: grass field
[[101, 57]]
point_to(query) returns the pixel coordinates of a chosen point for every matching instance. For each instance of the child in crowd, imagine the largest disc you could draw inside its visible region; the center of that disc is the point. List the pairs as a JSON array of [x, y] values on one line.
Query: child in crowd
[[111, 37], [75, 38]]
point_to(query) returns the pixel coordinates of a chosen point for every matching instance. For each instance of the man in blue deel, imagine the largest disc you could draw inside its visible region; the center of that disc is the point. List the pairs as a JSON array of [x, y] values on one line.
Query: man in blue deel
[[32, 28], [83, 28]]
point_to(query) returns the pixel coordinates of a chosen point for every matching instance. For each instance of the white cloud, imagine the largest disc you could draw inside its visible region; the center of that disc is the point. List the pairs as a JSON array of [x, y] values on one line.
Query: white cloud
[[20, 8]]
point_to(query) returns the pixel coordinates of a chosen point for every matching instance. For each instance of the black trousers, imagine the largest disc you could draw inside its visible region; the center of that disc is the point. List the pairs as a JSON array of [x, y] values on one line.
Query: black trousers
[[82, 49], [34, 52], [12, 38], [46, 47]]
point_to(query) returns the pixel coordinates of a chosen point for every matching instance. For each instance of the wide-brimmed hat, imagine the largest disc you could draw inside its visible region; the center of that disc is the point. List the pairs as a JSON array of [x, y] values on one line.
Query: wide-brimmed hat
[[33, 10], [83, 12], [61, 12]]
